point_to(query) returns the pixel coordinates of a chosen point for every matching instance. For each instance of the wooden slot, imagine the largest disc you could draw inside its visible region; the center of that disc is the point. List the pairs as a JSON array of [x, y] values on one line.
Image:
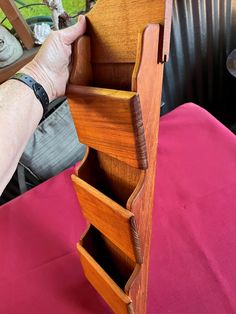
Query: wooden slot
[[112, 220], [109, 121], [111, 177], [113, 75], [107, 269]]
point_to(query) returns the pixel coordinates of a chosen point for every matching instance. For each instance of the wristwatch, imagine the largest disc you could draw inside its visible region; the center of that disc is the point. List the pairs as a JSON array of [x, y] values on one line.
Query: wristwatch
[[38, 89]]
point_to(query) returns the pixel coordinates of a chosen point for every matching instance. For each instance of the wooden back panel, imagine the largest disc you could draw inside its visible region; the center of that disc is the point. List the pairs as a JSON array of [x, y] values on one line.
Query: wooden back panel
[[114, 26]]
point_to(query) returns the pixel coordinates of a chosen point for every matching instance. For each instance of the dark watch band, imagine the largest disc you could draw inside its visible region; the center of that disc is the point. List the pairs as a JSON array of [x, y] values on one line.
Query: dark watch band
[[38, 89]]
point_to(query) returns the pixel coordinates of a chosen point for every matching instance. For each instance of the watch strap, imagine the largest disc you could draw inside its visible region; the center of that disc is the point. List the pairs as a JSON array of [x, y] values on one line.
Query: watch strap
[[37, 88]]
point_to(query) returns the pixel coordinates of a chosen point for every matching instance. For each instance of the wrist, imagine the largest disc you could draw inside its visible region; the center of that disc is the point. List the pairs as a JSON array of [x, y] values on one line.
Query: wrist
[[33, 70]]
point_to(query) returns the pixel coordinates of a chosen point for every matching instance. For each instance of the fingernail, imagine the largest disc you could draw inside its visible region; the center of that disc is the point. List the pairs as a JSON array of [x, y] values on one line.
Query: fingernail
[[80, 18]]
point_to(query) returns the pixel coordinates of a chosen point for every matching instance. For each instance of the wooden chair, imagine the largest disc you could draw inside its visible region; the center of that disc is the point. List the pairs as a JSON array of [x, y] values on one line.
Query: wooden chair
[[23, 30], [114, 95]]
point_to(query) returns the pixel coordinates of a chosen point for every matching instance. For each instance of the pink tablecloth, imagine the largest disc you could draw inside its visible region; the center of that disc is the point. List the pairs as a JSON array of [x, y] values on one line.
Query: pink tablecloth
[[193, 253]]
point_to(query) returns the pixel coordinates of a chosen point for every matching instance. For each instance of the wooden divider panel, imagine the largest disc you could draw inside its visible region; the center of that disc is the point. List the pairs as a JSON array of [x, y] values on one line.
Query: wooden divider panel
[[119, 302], [115, 222], [109, 121]]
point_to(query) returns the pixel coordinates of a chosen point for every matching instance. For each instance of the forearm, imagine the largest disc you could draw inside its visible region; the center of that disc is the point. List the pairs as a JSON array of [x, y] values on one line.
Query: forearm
[[20, 110], [20, 113]]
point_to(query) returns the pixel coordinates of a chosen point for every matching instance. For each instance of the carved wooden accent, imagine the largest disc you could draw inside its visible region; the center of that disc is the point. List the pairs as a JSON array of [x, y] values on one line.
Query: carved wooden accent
[[15, 18]]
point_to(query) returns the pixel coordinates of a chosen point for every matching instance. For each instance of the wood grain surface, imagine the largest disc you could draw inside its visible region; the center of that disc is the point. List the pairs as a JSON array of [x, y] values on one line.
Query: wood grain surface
[[117, 28], [111, 293], [81, 73], [116, 223], [110, 176], [114, 27], [109, 121], [147, 81]]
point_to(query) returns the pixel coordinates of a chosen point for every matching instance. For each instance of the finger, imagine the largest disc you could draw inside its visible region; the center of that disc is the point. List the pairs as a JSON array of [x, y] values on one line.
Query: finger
[[70, 34]]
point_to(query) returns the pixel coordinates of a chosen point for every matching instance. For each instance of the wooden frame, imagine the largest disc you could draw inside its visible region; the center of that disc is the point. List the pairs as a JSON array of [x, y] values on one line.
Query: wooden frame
[[116, 191]]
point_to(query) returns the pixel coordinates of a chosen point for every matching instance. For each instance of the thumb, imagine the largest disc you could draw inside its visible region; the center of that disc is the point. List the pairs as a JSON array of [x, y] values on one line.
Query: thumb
[[70, 34]]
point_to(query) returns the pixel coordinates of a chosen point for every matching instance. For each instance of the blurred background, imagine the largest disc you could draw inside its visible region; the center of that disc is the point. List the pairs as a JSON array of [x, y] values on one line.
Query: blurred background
[[32, 9], [203, 35]]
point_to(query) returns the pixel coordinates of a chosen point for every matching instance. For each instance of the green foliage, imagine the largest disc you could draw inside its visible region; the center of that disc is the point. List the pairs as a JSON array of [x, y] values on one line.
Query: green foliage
[[72, 7]]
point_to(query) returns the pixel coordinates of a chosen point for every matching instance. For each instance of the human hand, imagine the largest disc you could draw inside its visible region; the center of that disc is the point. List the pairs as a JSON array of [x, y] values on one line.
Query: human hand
[[50, 67]]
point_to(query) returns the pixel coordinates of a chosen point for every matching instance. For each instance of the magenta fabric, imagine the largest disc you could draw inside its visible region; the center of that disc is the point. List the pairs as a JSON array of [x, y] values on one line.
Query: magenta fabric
[[193, 256], [40, 270]]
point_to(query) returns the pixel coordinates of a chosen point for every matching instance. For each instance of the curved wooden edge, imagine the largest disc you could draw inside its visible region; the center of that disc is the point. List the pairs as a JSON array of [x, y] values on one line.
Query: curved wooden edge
[[147, 81], [83, 161], [138, 60], [136, 191], [81, 73], [132, 278], [109, 121]]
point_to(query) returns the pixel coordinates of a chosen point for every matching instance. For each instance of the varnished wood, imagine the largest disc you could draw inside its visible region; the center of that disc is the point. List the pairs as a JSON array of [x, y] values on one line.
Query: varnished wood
[[7, 72], [111, 293], [147, 64], [110, 176], [114, 52], [148, 77], [15, 18], [114, 27], [113, 75], [116, 223], [109, 121], [81, 73], [164, 48]]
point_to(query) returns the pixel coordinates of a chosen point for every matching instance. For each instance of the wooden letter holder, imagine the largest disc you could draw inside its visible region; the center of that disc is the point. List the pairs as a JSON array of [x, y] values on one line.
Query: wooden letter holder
[[114, 96]]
